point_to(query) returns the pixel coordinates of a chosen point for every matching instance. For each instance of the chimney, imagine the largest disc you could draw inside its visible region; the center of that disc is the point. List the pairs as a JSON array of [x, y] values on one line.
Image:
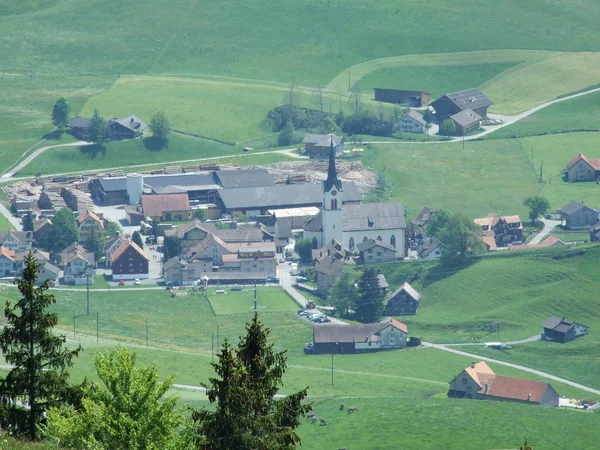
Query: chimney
[[472, 364]]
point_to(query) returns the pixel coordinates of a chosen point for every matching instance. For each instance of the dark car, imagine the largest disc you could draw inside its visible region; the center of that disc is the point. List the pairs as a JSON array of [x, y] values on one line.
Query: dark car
[[309, 349], [272, 280]]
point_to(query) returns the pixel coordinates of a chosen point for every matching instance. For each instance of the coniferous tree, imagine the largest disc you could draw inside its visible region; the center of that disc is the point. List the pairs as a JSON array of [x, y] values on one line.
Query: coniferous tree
[[98, 130], [370, 304], [60, 113], [94, 244], [28, 221], [39, 376], [247, 415], [137, 238]]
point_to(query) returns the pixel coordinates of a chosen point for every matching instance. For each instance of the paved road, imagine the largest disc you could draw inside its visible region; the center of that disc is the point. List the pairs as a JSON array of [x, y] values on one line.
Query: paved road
[[16, 223], [537, 337], [548, 227], [514, 366]]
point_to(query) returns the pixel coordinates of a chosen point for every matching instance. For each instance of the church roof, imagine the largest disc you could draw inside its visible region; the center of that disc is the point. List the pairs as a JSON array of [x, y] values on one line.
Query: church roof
[[332, 179], [365, 216]]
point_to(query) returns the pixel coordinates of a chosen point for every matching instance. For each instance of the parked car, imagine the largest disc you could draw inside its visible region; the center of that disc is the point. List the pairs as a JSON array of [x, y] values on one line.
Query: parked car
[[122, 283], [272, 279], [304, 313], [282, 260], [237, 287], [322, 319], [309, 349], [137, 282], [301, 279]]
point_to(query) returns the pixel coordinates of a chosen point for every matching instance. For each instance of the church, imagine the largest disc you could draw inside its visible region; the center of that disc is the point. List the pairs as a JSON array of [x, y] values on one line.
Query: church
[[352, 223]]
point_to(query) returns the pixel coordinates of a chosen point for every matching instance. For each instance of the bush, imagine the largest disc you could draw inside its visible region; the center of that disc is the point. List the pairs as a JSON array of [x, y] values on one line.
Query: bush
[[413, 342], [279, 116], [448, 128], [365, 122]]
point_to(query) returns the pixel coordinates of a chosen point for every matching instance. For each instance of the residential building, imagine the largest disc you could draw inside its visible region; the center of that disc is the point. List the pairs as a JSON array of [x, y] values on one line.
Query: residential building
[[429, 249], [166, 207], [179, 270], [562, 330], [7, 262], [90, 224], [318, 145], [79, 127], [75, 261], [466, 121], [578, 216], [404, 301], [389, 334], [383, 284], [130, 262], [329, 262], [48, 272], [110, 246], [41, 229], [480, 382], [505, 230], [582, 168], [16, 240], [373, 251], [128, 128], [255, 257], [191, 234], [412, 122], [211, 248], [454, 102], [41, 257], [416, 99]]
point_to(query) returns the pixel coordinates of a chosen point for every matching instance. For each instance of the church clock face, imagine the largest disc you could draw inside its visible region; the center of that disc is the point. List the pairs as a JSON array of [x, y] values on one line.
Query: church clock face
[[334, 192]]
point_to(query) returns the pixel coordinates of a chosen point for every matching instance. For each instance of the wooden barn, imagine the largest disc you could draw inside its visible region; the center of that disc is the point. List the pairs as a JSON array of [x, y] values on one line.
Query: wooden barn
[[455, 102], [416, 99]]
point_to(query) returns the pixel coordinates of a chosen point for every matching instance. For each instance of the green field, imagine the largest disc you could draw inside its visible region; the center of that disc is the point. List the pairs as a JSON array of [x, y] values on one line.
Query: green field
[[486, 176], [241, 302]]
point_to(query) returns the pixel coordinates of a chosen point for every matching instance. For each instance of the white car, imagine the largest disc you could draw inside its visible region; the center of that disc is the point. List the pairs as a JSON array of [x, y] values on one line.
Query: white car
[[137, 282]]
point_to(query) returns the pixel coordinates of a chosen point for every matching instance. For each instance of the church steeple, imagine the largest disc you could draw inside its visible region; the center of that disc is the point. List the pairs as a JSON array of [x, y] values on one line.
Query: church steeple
[[332, 179]]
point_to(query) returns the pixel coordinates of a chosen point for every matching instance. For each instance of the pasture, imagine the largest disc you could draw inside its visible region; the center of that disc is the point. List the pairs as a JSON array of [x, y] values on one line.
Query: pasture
[[269, 299], [486, 176]]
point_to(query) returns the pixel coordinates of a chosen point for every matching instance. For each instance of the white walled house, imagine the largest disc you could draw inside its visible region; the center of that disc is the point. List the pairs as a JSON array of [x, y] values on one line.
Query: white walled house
[[412, 122]]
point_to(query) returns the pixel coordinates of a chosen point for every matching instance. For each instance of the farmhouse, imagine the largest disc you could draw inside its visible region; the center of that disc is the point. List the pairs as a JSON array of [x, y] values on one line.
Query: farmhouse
[[129, 262], [455, 102], [7, 262], [582, 168], [505, 230], [79, 127], [416, 99], [90, 224], [562, 330], [41, 257], [389, 334], [578, 216], [110, 246], [480, 382], [166, 207], [403, 301], [412, 122], [48, 272], [128, 128], [16, 240], [75, 260], [328, 268], [374, 251], [179, 270], [352, 223], [317, 145], [466, 121]]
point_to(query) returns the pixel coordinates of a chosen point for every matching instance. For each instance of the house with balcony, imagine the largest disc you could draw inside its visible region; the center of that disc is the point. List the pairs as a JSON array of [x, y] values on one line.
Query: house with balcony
[[503, 230]]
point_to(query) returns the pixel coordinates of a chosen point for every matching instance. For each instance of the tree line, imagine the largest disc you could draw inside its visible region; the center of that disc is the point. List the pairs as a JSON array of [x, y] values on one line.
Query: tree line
[[131, 408]]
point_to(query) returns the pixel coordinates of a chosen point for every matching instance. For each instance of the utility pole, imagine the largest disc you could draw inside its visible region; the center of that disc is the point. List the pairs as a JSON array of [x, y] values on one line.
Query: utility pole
[[146, 331], [97, 327], [332, 368], [88, 271], [349, 69], [541, 171], [255, 299], [212, 347]]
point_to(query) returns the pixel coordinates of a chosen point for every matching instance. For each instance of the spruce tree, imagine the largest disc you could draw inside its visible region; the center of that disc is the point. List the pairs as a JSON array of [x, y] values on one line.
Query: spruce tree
[[370, 304], [137, 238], [39, 376], [247, 415]]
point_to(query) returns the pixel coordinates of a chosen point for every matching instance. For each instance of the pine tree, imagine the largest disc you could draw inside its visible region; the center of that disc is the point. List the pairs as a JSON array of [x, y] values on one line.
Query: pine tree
[[28, 221], [98, 130], [370, 303], [94, 244], [247, 415], [137, 239], [39, 377]]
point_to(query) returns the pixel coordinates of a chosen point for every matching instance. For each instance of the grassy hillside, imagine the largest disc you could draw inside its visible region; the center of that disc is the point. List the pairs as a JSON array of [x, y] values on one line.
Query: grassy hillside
[[485, 176]]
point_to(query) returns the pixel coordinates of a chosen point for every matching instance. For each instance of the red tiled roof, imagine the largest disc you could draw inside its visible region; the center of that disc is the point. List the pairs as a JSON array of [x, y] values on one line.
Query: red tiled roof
[[87, 214], [124, 246], [550, 241], [156, 205], [593, 162], [4, 251]]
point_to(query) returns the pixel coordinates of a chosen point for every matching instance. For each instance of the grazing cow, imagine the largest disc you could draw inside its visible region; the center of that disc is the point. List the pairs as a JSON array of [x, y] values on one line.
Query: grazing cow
[[342, 407], [323, 423], [352, 409]]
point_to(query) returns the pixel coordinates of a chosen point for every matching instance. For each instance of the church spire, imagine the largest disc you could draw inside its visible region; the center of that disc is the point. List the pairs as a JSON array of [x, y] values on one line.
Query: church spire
[[332, 179]]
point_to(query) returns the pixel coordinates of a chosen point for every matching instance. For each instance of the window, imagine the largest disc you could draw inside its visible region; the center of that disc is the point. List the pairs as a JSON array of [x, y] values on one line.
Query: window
[[351, 244], [465, 381], [314, 242], [379, 238], [378, 253], [393, 240]]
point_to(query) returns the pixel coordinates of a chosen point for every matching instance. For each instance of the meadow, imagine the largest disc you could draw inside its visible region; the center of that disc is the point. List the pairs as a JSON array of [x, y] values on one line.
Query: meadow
[[484, 176]]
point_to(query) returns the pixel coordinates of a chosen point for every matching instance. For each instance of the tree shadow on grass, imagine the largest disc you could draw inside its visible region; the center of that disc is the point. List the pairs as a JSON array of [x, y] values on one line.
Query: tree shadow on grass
[[444, 270], [92, 151], [54, 135], [155, 143]]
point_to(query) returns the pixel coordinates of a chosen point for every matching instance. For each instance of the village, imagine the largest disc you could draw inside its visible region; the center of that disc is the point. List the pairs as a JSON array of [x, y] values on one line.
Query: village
[[298, 226]]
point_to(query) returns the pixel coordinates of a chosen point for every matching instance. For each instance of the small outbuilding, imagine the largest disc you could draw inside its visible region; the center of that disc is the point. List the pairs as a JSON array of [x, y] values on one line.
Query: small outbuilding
[[403, 301], [318, 145], [562, 330]]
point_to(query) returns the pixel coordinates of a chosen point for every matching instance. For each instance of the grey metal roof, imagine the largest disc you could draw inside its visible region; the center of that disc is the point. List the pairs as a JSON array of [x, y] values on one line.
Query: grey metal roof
[[165, 184], [415, 116], [373, 216], [370, 243], [466, 117], [244, 178], [469, 98], [572, 207], [112, 184], [281, 195], [79, 122], [133, 122], [322, 140]]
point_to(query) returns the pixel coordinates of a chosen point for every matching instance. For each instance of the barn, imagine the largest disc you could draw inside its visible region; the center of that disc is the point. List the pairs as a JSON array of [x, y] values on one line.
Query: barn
[[455, 102]]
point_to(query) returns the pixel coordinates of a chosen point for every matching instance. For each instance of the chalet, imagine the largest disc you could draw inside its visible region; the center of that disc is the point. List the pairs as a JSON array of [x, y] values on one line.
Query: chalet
[[416, 99], [412, 122], [374, 251], [129, 262], [7, 262], [504, 229], [582, 168], [166, 207], [329, 262], [466, 121], [480, 382], [334, 249], [562, 330], [128, 128], [256, 257], [389, 334], [318, 145], [429, 249], [16, 240], [578, 216], [211, 248], [75, 261], [455, 102], [90, 224], [79, 127], [550, 241], [403, 301]]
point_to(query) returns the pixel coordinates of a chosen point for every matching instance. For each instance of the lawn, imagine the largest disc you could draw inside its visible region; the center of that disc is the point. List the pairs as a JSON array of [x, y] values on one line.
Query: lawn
[[486, 176], [581, 113], [571, 235], [269, 299]]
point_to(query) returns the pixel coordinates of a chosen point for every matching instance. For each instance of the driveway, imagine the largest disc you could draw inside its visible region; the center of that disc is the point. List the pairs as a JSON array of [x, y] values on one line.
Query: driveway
[[16, 223], [548, 227]]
